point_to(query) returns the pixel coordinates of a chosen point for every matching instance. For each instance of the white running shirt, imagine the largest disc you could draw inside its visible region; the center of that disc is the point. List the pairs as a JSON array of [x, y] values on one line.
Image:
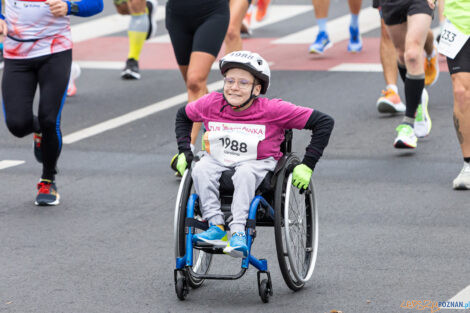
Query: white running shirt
[[37, 31]]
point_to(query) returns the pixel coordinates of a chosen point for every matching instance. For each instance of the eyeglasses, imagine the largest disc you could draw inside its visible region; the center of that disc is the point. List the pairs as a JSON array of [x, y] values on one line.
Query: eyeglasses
[[242, 83]]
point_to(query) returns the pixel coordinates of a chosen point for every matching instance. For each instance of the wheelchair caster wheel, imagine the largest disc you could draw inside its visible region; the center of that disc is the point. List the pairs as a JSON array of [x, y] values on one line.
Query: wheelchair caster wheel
[[181, 288], [264, 290]]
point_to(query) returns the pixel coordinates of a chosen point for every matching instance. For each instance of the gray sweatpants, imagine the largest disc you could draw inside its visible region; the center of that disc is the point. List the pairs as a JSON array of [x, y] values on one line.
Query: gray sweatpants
[[248, 176]]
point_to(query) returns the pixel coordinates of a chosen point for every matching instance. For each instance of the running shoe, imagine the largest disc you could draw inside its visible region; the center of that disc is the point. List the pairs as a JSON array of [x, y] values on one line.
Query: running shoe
[[423, 122], [355, 41], [213, 236], [262, 9], [37, 138], [406, 138], [72, 88], [321, 43], [431, 68], [152, 15], [462, 182], [237, 247], [390, 102], [75, 72], [131, 71], [47, 193]]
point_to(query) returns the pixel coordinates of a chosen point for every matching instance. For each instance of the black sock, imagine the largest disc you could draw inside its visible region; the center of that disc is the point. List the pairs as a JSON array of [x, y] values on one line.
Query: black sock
[[402, 71], [466, 160], [413, 89]]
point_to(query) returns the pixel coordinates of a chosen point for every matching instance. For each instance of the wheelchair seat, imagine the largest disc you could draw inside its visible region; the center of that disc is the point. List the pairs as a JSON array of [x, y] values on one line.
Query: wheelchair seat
[[227, 188]]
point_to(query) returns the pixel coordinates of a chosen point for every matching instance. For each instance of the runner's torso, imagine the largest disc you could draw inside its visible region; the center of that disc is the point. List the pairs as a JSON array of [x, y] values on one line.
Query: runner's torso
[[33, 31]]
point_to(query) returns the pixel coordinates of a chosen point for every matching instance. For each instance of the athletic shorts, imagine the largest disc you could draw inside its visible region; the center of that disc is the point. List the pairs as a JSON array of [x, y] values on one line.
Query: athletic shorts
[[461, 62], [201, 28], [396, 11]]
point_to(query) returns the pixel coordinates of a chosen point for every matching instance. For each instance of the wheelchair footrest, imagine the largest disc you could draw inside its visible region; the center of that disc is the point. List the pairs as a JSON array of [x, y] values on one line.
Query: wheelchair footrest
[[217, 276], [209, 248]]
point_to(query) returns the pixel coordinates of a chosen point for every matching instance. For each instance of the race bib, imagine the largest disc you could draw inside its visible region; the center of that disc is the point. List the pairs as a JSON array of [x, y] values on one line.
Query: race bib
[[230, 143], [452, 40]]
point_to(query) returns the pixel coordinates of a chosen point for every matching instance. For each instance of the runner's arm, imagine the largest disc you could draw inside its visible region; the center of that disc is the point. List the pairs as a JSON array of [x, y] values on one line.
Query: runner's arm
[[183, 126], [321, 126], [85, 7]]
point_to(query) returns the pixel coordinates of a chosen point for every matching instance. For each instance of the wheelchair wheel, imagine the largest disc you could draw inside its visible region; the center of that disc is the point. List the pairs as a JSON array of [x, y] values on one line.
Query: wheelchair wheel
[[202, 260], [295, 228]]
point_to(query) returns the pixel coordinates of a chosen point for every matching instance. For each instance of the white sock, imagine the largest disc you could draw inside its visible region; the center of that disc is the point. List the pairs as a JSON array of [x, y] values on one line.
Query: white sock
[[393, 87]]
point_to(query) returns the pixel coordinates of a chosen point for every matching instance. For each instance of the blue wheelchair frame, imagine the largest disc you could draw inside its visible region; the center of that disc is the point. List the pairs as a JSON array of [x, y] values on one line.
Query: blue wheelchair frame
[[260, 264]]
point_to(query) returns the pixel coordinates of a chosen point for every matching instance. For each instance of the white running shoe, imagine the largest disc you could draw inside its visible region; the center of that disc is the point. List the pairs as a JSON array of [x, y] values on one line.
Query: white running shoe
[[406, 138], [152, 15], [390, 102], [462, 182], [423, 122]]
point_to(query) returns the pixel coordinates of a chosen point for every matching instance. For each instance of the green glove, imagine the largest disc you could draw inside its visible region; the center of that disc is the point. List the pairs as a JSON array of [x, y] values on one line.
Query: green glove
[[301, 176], [180, 161]]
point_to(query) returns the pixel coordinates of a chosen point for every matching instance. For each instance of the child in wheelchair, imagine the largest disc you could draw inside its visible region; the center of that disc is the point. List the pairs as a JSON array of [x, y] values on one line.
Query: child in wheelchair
[[244, 133]]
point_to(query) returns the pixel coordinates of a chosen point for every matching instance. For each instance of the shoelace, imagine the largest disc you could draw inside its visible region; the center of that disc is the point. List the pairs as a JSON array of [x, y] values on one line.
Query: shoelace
[[387, 92], [44, 187]]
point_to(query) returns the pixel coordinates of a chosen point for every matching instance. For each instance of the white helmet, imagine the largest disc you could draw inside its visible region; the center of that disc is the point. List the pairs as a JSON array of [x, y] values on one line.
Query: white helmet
[[249, 61]]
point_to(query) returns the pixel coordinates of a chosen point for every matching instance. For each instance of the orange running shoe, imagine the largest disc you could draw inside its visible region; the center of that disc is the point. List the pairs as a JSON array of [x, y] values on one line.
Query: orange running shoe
[[390, 102], [262, 9], [431, 68]]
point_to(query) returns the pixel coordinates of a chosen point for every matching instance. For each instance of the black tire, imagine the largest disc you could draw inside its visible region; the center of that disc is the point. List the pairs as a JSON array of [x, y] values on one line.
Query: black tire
[[202, 260], [181, 288], [264, 292], [296, 256]]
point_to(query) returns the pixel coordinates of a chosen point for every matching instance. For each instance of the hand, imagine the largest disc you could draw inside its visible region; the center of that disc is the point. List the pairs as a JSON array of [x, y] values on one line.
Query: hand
[[58, 8], [301, 176], [432, 4], [181, 161], [3, 30]]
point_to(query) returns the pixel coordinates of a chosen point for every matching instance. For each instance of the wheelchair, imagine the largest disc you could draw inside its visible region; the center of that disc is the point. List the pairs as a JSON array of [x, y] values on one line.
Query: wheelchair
[[277, 203]]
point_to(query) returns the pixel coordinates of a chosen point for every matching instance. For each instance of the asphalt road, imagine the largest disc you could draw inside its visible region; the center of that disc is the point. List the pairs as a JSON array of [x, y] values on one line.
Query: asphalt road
[[391, 227]]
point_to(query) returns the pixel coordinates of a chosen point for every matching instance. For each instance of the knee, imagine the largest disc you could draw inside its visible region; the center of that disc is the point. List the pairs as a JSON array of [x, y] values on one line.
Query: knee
[[195, 83], [19, 128], [196, 171], [412, 54], [462, 97], [232, 34]]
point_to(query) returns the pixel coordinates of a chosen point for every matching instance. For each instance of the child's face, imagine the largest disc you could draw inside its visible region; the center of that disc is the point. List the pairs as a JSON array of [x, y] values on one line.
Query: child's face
[[237, 86]]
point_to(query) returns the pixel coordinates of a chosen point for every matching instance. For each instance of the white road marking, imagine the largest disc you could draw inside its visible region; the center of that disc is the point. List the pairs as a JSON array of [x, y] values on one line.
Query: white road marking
[[102, 65], [107, 25], [357, 67], [10, 163], [133, 116], [275, 14], [462, 296], [338, 29]]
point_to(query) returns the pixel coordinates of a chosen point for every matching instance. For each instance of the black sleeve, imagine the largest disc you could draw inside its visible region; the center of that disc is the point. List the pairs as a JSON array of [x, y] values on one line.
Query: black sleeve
[[321, 126], [183, 127]]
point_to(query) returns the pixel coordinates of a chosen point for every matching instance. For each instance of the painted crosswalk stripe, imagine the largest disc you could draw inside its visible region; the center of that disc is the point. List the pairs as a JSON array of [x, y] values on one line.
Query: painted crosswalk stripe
[[10, 163]]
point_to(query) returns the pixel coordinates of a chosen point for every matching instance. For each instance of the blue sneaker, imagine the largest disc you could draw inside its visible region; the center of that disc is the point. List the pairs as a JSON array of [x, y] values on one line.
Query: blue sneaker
[[321, 43], [355, 42], [213, 236], [237, 247]]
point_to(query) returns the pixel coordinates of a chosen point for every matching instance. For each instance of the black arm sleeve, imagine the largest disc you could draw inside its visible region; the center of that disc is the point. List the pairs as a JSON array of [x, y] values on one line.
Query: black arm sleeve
[[321, 125], [183, 127]]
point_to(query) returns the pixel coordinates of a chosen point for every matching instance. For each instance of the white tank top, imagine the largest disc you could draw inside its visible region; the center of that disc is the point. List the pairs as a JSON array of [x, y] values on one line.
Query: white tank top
[[33, 31]]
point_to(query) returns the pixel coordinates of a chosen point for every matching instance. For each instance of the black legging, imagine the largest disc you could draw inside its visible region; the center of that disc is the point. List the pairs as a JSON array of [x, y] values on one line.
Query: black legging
[[20, 79]]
